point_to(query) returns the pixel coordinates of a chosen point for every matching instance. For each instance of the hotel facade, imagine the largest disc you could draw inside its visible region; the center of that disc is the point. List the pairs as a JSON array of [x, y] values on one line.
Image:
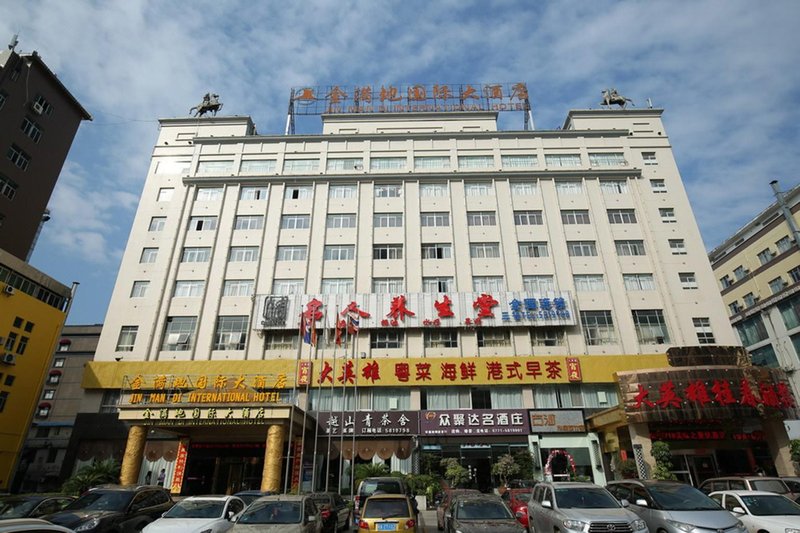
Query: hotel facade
[[465, 292]]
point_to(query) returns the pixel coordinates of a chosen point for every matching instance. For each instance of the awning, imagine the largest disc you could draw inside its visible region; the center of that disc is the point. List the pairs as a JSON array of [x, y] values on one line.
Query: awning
[[64, 341], [45, 405], [55, 372]]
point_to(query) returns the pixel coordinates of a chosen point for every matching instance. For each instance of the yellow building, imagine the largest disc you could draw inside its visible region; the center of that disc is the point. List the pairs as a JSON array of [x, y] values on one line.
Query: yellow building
[[33, 308]]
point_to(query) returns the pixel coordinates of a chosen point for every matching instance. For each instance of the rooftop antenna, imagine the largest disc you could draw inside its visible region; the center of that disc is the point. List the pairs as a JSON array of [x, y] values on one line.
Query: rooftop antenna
[[14, 42], [649, 104]]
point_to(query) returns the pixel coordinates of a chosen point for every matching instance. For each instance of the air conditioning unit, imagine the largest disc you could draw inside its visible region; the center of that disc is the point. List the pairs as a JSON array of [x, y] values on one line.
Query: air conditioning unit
[[8, 289], [9, 358], [37, 107]]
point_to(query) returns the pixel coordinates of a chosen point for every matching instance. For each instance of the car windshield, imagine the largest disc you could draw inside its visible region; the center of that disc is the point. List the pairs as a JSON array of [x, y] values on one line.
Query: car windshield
[[585, 498], [482, 510], [377, 487], [16, 507], [101, 501], [272, 512], [769, 485], [521, 496], [196, 509], [249, 498], [386, 508], [682, 498], [771, 505]]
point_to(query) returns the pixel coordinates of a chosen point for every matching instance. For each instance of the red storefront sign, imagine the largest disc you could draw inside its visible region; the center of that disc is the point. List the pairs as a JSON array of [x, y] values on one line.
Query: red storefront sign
[[574, 369], [304, 373], [180, 467], [297, 462]]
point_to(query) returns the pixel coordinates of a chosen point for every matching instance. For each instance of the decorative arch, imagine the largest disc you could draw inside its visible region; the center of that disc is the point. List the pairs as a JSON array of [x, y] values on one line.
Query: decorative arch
[[548, 467]]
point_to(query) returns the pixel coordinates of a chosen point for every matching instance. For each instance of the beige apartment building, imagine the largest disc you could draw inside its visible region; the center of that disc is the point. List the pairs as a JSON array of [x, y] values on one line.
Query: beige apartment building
[[485, 286]]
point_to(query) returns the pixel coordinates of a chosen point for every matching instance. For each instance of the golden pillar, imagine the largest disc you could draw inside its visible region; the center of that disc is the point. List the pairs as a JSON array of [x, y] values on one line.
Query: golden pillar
[[271, 477], [132, 460]]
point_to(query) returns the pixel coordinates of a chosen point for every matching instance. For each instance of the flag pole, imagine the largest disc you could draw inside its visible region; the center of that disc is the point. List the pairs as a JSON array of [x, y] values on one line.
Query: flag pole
[[289, 454], [344, 397], [330, 406], [308, 402], [355, 407]]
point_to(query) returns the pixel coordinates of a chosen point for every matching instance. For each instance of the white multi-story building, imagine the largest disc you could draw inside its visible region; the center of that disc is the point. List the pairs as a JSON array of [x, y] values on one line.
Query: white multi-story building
[[576, 249]]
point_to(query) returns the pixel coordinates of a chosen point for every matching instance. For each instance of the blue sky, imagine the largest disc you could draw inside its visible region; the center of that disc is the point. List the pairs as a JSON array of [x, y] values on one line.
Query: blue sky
[[726, 73]]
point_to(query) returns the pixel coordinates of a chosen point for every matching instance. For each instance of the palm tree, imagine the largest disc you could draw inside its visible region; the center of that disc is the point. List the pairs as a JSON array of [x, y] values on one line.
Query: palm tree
[[97, 473]]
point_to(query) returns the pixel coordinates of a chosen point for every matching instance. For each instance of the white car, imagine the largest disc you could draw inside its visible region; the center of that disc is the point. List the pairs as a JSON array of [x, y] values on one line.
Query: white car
[[34, 525], [199, 514], [759, 510]]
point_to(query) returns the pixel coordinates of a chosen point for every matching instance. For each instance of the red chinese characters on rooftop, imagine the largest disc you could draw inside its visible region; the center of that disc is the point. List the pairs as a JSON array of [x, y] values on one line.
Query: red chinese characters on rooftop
[[719, 393]]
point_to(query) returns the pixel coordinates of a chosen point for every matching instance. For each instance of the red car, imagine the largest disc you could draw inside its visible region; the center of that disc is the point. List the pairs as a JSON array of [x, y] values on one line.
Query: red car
[[517, 501]]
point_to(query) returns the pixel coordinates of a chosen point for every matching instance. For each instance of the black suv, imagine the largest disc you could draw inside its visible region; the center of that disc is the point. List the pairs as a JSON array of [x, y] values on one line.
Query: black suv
[[114, 509]]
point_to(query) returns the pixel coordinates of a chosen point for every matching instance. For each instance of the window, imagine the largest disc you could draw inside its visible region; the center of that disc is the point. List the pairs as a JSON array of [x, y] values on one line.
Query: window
[[215, 167], [688, 280], [440, 338], [562, 160], [8, 187], [173, 166], [284, 287], [43, 411], [702, 327], [481, 218], [149, 255], [528, 218], [484, 250], [388, 285], [431, 162], [3, 398], [581, 248], [488, 284], [575, 216], [614, 159], [340, 221], [436, 251], [31, 129], [794, 274], [475, 161], [438, 220], [337, 286], [157, 223], [298, 192], [667, 215], [569, 188], [776, 285], [9, 381], [433, 190], [388, 191], [21, 345], [339, 253], [243, 254], [253, 193], [538, 284], [11, 339], [523, 188], [519, 161], [127, 338], [749, 299], [300, 166], [386, 339], [493, 337], [479, 189], [622, 216], [438, 284], [725, 281], [344, 164], [650, 326], [649, 158], [387, 251], [292, 253], [3, 97], [165, 194], [783, 244], [740, 272], [196, 255], [258, 166], [54, 378], [547, 336], [388, 220], [18, 157], [677, 246], [282, 340], [614, 187], [598, 327], [49, 394], [734, 307], [237, 287], [630, 247], [295, 221], [189, 289], [533, 249], [139, 289], [248, 222], [589, 282], [209, 194], [179, 333], [231, 333], [387, 163], [789, 309], [343, 191], [658, 186], [202, 223], [764, 356]]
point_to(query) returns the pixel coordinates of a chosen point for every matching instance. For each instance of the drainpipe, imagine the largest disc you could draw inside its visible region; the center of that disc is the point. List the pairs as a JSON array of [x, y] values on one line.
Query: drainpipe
[[787, 214]]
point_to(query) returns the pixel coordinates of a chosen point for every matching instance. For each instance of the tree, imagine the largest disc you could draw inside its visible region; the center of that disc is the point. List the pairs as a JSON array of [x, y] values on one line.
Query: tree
[[455, 474], [663, 457], [97, 473], [524, 458], [365, 470], [505, 467]]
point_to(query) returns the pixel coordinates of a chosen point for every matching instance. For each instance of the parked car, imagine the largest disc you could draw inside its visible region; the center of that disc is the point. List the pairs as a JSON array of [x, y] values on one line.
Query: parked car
[[32, 505], [760, 510], [333, 509], [209, 514], [517, 501], [447, 499], [521, 484], [280, 513], [34, 525], [793, 483], [474, 513], [672, 507], [380, 485], [387, 512], [249, 496], [573, 507], [768, 484], [114, 508]]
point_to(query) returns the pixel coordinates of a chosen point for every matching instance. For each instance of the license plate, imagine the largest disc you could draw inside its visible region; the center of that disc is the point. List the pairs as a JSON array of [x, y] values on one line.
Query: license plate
[[387, 526]]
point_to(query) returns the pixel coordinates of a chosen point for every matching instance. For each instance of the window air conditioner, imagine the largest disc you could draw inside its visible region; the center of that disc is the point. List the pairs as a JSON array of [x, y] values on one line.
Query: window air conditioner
[[37, 108], [392, 403], [8, 289], [9, 358], [659, 340]]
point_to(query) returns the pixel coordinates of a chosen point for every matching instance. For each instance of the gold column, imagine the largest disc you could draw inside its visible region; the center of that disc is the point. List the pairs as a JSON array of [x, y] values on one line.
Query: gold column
[[271, 477], [132, 460]]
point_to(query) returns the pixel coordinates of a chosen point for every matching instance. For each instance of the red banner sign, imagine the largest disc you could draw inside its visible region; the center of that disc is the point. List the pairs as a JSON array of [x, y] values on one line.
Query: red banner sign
[[180, 467]]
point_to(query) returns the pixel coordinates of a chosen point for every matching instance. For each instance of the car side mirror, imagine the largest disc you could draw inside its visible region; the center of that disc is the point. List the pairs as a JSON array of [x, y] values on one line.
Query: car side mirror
[[547, 503], [519, 514], [738, 510], [641, 502], [624, 502]]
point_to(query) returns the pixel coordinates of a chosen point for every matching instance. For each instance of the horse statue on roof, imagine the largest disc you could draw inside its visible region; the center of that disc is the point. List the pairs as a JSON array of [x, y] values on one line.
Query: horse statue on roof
[[611, 97], [210, 104]]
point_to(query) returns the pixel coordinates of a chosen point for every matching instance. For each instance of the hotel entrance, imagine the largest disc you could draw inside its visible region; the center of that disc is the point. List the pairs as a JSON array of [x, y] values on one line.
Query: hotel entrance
[[223, 468]]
